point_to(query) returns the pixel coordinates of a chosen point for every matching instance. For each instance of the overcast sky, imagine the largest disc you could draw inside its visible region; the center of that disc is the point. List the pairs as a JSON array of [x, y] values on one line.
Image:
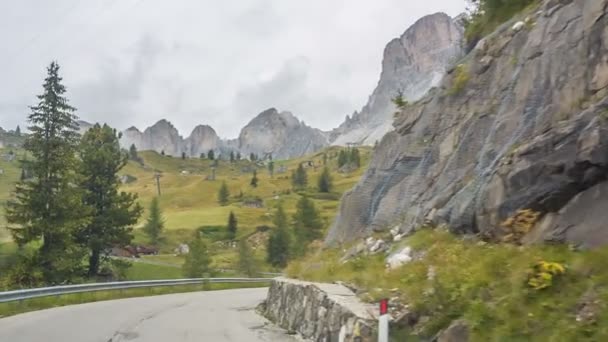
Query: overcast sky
[[133, 62]]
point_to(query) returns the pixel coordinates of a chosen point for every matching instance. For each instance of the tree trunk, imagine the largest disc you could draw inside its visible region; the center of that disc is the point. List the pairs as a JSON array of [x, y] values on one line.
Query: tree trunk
[[94, 262]]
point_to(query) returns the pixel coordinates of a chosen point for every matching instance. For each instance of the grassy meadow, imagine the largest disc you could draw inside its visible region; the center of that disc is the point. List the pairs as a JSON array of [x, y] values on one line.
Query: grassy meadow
[[189, 202]]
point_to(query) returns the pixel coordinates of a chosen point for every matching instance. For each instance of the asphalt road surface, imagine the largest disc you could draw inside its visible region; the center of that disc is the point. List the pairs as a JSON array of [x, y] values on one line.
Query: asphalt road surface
[[214, 316]]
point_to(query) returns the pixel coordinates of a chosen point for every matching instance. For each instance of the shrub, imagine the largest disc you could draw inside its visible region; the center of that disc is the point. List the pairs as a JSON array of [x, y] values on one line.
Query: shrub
[[519, 225], [543, 273], [461, 78], [487, 15]]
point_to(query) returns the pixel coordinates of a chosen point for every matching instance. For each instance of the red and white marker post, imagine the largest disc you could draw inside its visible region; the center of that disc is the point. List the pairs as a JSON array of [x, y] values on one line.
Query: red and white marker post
[[383, 321]]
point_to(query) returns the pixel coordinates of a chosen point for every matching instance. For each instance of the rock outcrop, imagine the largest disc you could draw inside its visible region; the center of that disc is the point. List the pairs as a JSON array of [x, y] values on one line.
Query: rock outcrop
[[319, 312], [413, 63], [281, 135], [162, 136], [521, 123], [202, 139]]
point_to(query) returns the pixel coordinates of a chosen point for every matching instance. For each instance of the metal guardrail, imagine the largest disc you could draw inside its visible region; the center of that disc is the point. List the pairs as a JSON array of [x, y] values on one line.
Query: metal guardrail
[[16, 295]]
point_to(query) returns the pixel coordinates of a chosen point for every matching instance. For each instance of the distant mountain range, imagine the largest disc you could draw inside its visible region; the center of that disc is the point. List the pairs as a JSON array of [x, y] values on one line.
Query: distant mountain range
[[413, 63]]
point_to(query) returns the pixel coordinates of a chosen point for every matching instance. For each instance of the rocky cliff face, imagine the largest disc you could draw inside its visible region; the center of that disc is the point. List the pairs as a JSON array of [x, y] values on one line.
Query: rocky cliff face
[[279, 134], [162, 136], [202, 139], [522, 123], [414, 63]]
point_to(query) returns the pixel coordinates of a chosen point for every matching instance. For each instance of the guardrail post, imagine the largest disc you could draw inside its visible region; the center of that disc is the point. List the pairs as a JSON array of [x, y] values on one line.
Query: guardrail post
[[383, 321]]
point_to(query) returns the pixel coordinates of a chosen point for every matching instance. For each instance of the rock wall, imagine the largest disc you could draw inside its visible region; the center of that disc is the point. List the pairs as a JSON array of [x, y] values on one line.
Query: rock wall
[[319, 312], [520, 123]]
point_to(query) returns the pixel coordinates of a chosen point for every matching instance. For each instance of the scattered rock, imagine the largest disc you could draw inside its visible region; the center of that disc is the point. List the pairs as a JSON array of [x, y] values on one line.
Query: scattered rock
[[378, 247], [588, 308], [399, 258], [458, 331], [518, 26]]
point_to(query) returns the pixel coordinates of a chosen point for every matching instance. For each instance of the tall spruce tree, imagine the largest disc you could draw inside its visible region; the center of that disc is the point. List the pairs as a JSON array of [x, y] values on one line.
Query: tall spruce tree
[[49, 208], [232, 226], [279, 241], [155, 223], [18, 131], [254, 179], [342, 158], [307, 221], [247, 263], [232, 156], [271, 168], [223, 196], [211, 155], [325, 181], [238, 156], [198, 260], [113, 211], [355, 157], [299, 178]]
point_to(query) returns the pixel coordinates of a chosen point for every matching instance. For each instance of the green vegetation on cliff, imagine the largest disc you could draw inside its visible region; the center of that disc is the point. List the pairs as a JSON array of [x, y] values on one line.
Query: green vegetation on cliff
[[491, 286]]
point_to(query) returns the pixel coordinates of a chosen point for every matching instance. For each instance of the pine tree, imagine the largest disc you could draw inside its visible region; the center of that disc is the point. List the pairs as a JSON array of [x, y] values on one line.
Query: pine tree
[[183, 155], [48, 209], [252, 157], [133, 152], [23, 176], [198, 260], [307, 225], [211, 155], [355, 157], [279, 241], [254, 179], [271, 169], [325, 181], [162, 153], [342, 158], [113, 212], [299, 178], [18, 131], [202, 155], [247, 263], [232, 226], [324, 159], [155, 223], [238, 156], [232, 156], [223, 196]]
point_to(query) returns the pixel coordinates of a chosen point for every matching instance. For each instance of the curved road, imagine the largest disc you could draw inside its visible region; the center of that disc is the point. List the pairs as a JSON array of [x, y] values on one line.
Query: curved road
[[214, 316]]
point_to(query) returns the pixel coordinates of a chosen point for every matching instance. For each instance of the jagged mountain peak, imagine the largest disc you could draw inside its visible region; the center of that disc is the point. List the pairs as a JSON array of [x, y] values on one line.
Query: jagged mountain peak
[[412, 63]]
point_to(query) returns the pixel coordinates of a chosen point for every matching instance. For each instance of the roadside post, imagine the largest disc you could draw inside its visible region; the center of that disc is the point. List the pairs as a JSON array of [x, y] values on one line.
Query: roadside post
[[383, 321]]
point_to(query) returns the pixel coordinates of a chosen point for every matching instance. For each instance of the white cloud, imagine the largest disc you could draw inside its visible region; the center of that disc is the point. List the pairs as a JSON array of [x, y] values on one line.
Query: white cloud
[[132, 62]]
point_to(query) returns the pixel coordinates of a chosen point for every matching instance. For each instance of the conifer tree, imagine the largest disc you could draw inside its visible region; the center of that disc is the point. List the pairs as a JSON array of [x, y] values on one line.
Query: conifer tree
[[211, 155], [113, 212], [155, 223], [238, 156], [198, 260], [325, 181], [355, 157], [342, 158], [307, 225], [299, 178], [247, 263], [184, 155], [254, 179], [271, 168], [232, 156], [279, 241], [48, 208], [232, 226], [18, 131], [223, 196]]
